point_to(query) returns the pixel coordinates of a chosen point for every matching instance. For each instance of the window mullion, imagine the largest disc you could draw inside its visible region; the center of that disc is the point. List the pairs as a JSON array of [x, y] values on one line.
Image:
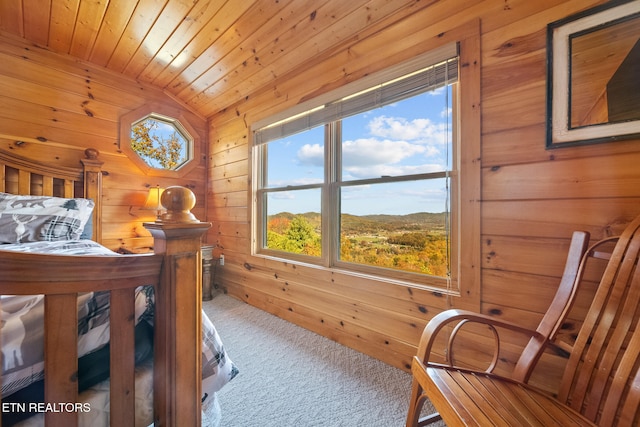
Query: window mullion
[[331, 202], [261, 201]]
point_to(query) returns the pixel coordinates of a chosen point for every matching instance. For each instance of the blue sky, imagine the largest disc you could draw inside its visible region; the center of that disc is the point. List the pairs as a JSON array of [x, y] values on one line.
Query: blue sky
[[406, 137]]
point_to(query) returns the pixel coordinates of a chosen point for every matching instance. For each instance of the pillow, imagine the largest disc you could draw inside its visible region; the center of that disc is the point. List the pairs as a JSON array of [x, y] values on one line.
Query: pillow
[[87, 231], [42, 218]]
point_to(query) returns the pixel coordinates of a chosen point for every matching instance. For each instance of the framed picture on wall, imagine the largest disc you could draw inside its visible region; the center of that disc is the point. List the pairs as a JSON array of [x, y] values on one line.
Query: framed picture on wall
[[593, 75]]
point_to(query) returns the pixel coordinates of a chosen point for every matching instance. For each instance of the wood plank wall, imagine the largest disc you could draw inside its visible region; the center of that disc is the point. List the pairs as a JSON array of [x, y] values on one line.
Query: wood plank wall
[[532, 198], [57, 106]]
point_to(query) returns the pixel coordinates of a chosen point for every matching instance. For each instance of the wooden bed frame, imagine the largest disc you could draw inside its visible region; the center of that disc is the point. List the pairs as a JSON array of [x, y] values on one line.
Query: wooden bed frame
[[177, 260]]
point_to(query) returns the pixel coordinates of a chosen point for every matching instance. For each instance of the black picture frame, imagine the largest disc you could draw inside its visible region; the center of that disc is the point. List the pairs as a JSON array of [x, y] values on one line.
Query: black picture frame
[[585, 50]]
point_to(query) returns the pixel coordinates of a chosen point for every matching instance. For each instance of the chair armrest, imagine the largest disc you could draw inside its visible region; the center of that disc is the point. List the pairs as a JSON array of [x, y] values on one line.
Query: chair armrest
[[458, 318]]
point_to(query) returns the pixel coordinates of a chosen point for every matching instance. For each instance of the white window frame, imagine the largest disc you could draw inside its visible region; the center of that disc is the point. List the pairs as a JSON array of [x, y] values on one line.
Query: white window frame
[[465, 179]]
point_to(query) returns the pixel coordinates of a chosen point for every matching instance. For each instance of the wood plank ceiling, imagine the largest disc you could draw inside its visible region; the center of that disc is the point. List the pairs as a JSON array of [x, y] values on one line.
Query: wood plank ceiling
[[209, 54]]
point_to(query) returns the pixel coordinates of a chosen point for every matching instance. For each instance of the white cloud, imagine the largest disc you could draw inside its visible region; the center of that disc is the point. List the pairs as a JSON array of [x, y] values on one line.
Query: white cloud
[[396, 146], [369, 158], [400, 128], [371, 151], [437, 92], [446, 112], [311, 154], [397, 128]]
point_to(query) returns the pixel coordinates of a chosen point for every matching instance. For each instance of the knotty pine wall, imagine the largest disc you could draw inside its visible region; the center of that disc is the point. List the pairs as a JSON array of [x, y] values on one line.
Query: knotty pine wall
[[57, 106], [531, 198]]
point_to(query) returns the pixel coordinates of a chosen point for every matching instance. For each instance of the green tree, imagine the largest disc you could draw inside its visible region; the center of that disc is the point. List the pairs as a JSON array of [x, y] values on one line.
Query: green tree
[[296, 236], [301, 237], [276, 241]]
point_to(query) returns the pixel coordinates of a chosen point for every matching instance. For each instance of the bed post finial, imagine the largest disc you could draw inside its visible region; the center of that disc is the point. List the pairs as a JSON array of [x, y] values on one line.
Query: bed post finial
[[178, 201], [91, 153]]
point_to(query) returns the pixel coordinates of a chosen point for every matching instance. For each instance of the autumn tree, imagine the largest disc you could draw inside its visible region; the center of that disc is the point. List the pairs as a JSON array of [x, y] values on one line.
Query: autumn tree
[[154, 147]]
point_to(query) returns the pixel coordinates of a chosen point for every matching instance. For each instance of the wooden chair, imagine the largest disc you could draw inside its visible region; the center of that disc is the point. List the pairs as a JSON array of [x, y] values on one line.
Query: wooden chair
[[601, 381]]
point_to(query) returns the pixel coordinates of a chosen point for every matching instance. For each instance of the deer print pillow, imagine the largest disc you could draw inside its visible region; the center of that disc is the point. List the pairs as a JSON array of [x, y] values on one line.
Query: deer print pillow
[[42, 218]]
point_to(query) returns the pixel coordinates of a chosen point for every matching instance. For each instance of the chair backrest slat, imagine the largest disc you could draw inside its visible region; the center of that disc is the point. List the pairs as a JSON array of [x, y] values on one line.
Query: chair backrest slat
[[604, 361], [558, 309], [632, 402]]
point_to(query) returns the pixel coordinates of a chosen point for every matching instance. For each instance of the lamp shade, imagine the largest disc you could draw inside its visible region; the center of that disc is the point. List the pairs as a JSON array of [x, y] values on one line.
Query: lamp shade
[[153, 199]]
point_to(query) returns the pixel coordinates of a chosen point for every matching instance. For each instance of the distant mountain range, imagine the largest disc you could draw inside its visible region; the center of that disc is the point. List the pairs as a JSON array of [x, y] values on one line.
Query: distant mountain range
[[358, 224]]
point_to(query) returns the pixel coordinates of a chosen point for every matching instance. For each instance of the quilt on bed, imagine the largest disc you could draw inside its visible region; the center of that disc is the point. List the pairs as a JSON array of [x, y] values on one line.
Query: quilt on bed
[[22, 329]]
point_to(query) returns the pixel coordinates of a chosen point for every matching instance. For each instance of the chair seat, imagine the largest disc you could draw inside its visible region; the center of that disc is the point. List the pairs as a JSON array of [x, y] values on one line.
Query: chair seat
[[467, 398]]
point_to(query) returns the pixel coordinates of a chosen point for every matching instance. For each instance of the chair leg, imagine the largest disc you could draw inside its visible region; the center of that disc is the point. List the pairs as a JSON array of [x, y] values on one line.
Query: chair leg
[[418, 397], [415, 404]]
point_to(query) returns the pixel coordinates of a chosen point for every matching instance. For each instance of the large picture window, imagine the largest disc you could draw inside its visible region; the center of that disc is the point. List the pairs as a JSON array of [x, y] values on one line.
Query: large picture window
[[367, 182]]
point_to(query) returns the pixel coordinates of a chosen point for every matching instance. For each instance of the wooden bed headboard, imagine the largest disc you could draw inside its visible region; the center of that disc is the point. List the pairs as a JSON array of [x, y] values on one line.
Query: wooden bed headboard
[[19, 175]]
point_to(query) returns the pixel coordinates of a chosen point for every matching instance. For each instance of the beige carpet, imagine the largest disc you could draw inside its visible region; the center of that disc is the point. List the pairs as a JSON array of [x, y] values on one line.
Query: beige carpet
[[290, 376]]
